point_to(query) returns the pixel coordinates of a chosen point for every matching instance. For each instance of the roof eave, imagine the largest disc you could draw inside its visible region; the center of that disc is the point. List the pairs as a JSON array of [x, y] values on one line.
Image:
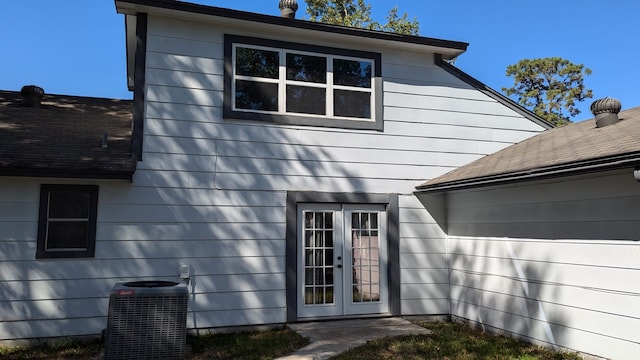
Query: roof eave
[[449, 48], [585, 167], [70, 174]]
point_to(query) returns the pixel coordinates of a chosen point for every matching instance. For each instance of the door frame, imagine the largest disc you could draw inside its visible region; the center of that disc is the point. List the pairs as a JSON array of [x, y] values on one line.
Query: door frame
[[390, 201], [341, 285]]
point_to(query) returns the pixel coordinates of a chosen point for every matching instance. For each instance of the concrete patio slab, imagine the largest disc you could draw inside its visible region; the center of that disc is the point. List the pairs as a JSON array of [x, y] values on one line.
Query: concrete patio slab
[[330, 338]]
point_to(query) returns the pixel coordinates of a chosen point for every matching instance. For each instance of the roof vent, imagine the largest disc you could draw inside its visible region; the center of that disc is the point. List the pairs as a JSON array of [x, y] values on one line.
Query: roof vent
[[32, 95], [606, 111], [288, 8]]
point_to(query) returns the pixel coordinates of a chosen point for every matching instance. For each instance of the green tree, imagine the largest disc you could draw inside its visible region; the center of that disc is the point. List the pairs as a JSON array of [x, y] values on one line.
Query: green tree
[[357, 13], [549, 87]]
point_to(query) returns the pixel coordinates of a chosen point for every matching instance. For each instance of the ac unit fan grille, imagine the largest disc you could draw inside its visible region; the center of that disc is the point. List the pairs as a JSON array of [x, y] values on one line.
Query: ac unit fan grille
[[146, 327]]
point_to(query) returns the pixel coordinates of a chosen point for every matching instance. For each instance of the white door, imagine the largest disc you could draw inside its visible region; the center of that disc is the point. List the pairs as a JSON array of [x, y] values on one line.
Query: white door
[[342, 260]]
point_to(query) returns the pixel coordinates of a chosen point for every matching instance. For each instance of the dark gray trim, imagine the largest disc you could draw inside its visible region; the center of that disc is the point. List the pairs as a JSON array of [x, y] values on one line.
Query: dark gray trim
[[289, 119], [617, 162], [393, 253], [41, 251], [393, 240], [491, 93], [139, 75], [291, 256], [296, 23], [128, 53], [70, 174]]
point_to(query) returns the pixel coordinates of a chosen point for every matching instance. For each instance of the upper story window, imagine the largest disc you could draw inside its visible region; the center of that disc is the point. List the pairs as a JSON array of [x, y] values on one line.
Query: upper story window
[[67, 221], [300, 84]]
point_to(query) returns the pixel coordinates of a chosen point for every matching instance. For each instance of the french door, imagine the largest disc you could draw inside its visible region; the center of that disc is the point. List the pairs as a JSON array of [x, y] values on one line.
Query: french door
[[342, 260]]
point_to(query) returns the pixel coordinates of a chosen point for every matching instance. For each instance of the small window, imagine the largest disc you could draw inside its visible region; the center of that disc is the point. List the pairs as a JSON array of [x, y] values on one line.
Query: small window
[[302, 84], [67, 221]]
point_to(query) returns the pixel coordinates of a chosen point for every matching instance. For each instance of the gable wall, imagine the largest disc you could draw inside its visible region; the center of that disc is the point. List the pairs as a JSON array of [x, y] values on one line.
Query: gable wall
[[556, 262], [212, 193]]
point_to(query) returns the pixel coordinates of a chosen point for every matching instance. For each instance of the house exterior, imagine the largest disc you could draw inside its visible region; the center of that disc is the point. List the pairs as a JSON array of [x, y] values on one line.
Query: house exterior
[[274, 158], [543, 236]]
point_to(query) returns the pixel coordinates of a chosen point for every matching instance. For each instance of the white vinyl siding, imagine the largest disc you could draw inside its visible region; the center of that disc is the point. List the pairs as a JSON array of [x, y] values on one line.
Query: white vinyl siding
[[556, 261], [423, 261]]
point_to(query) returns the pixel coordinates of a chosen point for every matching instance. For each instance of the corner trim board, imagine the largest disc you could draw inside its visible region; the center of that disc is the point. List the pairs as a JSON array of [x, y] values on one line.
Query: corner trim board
[[139, 86]]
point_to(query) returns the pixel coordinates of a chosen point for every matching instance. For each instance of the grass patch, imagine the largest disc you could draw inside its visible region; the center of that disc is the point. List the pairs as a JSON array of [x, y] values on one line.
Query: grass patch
[[259, 345], [448, 341], [452, 341], [61, 350]]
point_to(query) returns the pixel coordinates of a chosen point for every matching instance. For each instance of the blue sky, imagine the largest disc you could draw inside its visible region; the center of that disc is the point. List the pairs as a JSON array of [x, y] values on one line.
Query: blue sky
[[76, 47]]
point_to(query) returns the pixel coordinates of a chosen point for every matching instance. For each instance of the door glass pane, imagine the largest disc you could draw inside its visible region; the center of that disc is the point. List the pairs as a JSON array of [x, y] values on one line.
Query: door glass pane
[[328, 220], [306, 100], [257, 63], [306, 68], [308, 277], [352, 104], [254, 95], [318, 259], [352, 73], [365, 261], [329, 293], [328, 279], [328, 239]]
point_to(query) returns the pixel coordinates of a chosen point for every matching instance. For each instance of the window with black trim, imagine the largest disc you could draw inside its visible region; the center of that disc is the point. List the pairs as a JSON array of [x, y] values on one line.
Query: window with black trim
[[301, 84], [67, 221]]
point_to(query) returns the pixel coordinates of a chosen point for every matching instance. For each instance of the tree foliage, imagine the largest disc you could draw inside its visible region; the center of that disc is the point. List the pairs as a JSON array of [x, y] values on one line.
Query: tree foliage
[[549, 87], [357, 13]]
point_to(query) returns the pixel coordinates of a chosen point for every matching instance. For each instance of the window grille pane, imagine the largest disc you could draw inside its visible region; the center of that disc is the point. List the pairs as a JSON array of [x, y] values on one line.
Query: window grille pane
[[69, 204], [257, 63], [306, 100], [306, 68], [352, 104], [253, 95], [67, 235], [352, 73]]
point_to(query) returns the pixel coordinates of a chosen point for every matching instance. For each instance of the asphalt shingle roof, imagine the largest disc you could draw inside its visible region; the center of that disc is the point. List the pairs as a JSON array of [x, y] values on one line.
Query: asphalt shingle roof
[[565, 148], [63, 138]]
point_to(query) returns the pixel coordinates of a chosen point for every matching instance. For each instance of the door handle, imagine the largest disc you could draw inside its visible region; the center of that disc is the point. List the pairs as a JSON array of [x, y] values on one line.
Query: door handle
[[339, 266]]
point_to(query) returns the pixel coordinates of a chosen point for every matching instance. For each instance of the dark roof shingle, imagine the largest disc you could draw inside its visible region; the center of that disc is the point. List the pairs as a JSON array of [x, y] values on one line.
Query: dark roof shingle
[[63, 138], [563, 150]]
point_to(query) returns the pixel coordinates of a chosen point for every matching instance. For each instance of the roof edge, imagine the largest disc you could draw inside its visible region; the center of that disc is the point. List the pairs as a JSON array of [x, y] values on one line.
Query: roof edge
[[296, 23], [585, 167], [504, 100], [70, 174]]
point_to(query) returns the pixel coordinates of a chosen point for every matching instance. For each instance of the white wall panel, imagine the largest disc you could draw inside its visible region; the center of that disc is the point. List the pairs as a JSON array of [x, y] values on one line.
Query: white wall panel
[[555, 261]]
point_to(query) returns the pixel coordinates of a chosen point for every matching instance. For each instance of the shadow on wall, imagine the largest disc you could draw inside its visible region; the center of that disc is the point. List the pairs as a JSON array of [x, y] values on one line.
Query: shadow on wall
[[493, 287], [586, 207], [216, 195], [548, 261]]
